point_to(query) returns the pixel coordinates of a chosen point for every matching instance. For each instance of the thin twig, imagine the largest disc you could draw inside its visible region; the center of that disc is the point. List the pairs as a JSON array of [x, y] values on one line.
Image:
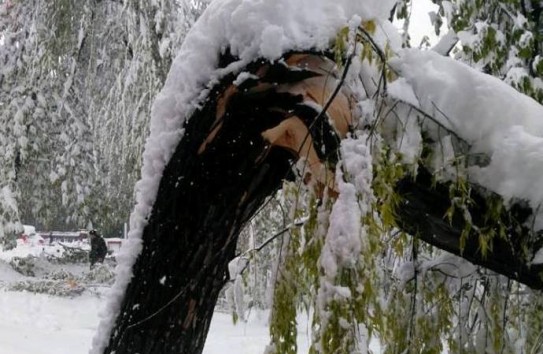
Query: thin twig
[[430, 117], [276, 235]]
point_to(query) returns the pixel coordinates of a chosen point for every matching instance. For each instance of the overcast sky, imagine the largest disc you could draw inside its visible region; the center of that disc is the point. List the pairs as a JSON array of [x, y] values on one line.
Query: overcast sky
[[420, 22]]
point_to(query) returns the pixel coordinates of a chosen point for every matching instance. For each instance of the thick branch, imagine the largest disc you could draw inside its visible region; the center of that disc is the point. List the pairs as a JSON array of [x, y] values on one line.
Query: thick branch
[[422, 213]]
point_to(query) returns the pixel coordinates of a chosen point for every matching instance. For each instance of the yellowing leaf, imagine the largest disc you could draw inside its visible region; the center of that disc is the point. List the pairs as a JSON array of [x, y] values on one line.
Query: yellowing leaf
[[369, 26]]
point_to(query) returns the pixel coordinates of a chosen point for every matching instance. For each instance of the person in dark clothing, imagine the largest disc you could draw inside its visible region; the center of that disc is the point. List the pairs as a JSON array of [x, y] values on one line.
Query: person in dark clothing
[[98, 248]]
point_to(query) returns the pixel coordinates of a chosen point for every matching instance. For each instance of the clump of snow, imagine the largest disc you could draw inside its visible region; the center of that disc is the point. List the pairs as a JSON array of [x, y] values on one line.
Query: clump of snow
[[525, 39], [515, 75], [401, 90], [538, 258], [237, 266], [242, 77], [249, 29], [492, 117], [343, 242], [516, 167], [346, 235]]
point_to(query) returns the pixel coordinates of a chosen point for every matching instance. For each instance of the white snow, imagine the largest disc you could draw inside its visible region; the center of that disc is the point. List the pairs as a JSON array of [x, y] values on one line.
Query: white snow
[[45, 324], [8, 274], [242, 77], [38, 250], [538, 258], [401, 90], [236, 266], [446, 43], [490, 115], [346, 236]]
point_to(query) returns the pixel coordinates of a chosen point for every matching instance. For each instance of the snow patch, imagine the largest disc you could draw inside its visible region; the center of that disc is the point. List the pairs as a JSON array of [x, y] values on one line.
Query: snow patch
[[538, 258]]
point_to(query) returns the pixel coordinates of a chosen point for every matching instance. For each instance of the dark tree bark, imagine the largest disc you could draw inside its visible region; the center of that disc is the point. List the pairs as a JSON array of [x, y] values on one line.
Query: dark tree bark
[[202, 203]]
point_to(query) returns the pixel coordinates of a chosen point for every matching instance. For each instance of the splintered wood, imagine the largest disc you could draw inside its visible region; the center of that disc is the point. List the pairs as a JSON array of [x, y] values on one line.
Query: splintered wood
[[293, 134], [311, 78]]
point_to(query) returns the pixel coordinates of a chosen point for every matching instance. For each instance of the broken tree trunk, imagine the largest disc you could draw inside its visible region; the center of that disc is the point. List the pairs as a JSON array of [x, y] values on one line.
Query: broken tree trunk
[[219, 176], [235, 152], [203, 201]]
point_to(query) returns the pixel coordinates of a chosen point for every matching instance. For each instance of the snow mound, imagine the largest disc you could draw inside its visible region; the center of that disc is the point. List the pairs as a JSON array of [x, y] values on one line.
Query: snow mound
[[491, 116]]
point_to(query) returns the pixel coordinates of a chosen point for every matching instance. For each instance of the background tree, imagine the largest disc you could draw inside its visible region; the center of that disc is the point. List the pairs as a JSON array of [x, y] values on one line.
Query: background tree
[[502, 38], [78, 81]]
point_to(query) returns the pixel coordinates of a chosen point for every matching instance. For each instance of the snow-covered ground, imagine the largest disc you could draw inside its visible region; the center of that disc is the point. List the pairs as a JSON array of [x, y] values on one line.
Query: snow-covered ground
[[35, 323], [45, 324], [32, 323]]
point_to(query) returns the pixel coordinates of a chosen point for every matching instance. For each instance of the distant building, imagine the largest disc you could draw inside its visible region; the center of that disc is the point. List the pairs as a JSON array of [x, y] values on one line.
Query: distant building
[[114, 244], [64, 236]]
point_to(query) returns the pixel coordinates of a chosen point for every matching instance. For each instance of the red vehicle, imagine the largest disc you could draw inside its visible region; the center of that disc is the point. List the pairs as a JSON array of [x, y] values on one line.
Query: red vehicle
[[30, 237]]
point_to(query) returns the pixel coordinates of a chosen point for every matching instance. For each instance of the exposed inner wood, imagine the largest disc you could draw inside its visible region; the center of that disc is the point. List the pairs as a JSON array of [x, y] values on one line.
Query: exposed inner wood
[[292, 134], [191, 315], [318, 90], [222, 103]]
